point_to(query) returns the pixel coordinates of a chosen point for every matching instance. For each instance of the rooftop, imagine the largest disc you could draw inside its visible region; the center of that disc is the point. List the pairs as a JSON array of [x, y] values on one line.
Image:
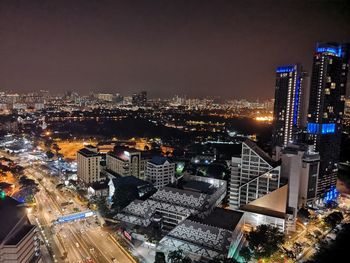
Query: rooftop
[[198, 186], [87, 153], [260, 152], [221, 218], [15, 213], [273, 204], [158, 160], [100, 185]]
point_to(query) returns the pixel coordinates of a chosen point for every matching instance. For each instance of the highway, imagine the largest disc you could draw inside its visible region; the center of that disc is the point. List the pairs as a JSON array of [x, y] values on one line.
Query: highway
[[74, 242]]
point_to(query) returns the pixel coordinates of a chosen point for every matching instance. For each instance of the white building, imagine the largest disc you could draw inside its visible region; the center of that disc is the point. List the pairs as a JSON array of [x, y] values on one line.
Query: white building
[[160, 172], [88, 161], [253, 175], [127, 161], [300, 166]]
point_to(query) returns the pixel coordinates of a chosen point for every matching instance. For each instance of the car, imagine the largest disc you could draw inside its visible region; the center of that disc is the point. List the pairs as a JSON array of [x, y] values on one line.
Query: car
[[77, 244]]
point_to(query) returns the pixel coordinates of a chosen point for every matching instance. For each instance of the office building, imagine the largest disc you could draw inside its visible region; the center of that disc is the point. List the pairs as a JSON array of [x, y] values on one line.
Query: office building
[[287, 107], [160, 172], [124, 161], [19, 242], [300, 165], [326, 108], [88, 165], [253, 175]]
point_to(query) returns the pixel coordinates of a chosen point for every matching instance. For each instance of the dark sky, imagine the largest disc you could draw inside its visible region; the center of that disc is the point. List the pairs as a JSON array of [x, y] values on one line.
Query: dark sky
[[199, 48]]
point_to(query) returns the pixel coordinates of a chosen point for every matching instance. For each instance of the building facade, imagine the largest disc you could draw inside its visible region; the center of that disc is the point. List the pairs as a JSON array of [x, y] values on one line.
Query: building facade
[[160, 172], [124, 162], [19, 242], [88, 165], [253, 175], [287, 107], [326, 108], [300, 166]]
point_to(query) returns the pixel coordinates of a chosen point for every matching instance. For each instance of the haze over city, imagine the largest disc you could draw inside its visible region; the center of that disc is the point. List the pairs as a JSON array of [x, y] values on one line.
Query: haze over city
[[196, 48]]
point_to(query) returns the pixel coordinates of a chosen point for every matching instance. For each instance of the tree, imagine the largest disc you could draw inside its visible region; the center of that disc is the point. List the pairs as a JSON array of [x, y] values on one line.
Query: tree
[[264, 240], [246, 254], [176, 256], [333, 219], [49, 154], [304, 214], [335, 251], [56, 148], [160, 258], [123, 196], [186, 260], [102, 206]]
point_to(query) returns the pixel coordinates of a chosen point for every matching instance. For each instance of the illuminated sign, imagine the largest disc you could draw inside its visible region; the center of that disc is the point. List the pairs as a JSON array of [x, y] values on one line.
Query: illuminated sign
[[127, 235], [331, 195], [285, 69], [315, 128], [332, 50], [328, 128]]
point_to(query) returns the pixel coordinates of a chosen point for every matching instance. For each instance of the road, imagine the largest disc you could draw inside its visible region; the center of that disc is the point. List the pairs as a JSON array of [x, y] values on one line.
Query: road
[[73, 242]]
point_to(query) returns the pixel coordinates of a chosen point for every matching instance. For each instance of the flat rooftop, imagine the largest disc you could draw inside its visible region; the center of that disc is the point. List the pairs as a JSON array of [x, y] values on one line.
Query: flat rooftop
[[221, 218], [198, 186]]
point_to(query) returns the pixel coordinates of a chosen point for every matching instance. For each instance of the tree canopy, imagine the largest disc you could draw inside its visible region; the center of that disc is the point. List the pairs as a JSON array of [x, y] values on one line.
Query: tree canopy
[[264, 240], [333, 219]]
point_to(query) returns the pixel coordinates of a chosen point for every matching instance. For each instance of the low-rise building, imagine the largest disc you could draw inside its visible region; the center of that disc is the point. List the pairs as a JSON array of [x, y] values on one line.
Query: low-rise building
[[124, 161], [19, 242], [100, 189], [160, 172], [176, 203], [218, 235]]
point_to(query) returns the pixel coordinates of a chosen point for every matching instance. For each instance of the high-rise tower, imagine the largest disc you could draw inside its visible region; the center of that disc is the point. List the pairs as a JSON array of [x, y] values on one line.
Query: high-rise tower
[[287, 106], [326, 108]]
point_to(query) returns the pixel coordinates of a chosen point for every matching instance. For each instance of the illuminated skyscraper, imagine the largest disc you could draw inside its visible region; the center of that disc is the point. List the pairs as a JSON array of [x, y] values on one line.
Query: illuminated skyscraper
[[326, 108], [287, 106]]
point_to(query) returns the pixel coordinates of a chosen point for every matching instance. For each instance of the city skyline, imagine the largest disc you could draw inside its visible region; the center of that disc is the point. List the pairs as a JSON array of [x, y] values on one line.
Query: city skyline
[[171, 48], [174, 131]]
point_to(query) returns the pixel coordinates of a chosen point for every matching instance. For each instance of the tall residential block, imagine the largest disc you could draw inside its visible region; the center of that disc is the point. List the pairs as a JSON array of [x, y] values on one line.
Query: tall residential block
[[288, 101], [326, 108]]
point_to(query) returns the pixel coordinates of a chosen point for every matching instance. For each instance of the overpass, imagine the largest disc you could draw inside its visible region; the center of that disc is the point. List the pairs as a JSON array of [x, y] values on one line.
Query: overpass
[[74, 217]]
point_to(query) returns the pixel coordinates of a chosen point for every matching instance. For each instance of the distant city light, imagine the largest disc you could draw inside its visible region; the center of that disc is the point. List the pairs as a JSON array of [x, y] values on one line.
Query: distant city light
[[264, 118]]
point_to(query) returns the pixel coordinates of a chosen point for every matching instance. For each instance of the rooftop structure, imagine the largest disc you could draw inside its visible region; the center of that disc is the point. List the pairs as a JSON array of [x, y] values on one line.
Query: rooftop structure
[[175, 204], [216, 236]]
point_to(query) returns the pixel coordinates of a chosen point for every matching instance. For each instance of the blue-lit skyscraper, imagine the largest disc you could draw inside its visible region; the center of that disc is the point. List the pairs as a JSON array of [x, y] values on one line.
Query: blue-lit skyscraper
[[288, 92], [326, 108]]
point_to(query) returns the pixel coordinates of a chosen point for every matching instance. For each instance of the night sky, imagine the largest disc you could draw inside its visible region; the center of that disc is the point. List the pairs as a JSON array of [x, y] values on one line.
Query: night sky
[[199, 48]]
